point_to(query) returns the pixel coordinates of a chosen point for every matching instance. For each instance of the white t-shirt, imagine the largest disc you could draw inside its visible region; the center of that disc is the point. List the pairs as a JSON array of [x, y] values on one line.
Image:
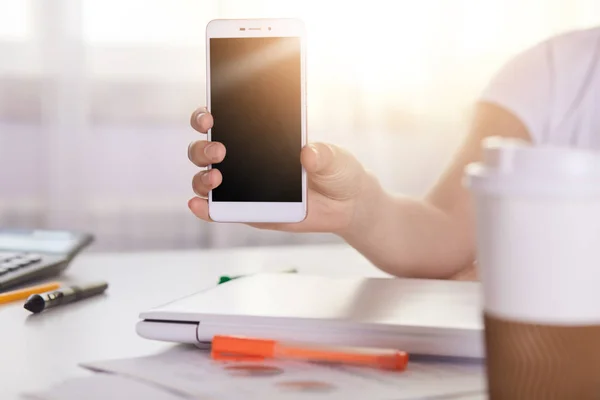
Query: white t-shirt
[[554, 89]]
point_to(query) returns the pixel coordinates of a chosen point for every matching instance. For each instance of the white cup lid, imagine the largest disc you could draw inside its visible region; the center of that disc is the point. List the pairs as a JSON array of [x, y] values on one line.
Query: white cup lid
[[512, 166]]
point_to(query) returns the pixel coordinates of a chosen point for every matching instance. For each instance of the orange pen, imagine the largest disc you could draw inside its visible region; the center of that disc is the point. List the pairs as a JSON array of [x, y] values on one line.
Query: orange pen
[[244, 349], [23, 294]]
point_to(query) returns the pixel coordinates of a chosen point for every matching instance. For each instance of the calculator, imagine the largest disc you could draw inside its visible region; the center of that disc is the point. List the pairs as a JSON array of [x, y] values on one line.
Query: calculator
[[29, 255]]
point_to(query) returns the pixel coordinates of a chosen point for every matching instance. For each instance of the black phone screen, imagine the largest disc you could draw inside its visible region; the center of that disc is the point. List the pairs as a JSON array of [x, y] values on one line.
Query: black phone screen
[[255, 90]]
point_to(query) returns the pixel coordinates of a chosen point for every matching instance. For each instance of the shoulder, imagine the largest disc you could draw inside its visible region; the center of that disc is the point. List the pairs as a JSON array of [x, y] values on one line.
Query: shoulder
[[530, 82], [575, 43], [571, 50]]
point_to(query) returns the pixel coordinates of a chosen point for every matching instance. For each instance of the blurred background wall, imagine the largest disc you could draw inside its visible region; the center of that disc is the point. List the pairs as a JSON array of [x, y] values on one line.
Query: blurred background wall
[[95, 98]]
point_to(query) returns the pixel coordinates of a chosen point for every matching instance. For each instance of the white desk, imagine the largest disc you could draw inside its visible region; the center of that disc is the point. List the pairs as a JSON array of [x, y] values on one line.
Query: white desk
[[39, 350]]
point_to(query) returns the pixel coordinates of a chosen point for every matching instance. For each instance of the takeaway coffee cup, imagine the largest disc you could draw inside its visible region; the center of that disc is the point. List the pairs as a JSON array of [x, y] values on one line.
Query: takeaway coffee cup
[[538, 245]]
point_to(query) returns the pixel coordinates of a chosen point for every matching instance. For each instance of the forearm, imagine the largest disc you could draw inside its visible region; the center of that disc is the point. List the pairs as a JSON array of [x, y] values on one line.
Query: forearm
[[409, 237], [432, 238]]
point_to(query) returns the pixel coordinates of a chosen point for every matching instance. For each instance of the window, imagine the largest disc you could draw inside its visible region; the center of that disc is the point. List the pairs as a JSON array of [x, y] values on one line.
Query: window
[[95, 97], [15, 20]]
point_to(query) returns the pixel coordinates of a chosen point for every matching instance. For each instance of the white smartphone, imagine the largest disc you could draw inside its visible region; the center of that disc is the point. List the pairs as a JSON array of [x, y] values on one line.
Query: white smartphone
[[256, 89]]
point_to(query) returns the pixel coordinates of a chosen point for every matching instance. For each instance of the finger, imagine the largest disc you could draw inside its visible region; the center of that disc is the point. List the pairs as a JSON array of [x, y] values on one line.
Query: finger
[[332, 171], [321, 158], [203, 153], [278, 227], [201, 120], [199, 208], [309, 158], [205, 181]]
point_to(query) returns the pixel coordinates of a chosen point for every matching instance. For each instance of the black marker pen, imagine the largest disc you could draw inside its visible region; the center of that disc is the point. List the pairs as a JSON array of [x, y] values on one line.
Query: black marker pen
[[39, 302]]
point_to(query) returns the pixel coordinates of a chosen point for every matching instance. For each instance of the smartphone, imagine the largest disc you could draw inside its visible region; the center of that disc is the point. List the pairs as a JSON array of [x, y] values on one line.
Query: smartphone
[[256, 89]]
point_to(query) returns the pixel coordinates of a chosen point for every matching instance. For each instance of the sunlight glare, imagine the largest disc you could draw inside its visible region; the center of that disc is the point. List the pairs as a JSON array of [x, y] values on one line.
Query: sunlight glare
[[15, 19], [254, 63]]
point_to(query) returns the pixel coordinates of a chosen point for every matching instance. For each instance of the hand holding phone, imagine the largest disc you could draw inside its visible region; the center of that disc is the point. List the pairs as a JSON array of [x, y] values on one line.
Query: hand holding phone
[[340, 192], [332, 182]]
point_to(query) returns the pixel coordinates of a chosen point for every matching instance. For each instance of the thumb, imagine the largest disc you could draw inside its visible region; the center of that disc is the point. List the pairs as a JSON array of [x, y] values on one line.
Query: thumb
[[332, 171]]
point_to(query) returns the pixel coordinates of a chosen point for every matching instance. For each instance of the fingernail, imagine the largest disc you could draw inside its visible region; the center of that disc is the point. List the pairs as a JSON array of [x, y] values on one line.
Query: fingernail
[[199, 118], [206, 178], [314, 149], [189, 150], [212, 151]]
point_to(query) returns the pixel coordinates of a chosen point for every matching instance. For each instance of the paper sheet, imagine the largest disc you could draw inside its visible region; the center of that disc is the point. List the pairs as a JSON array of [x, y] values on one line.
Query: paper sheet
[[102, 387], [190, 372]]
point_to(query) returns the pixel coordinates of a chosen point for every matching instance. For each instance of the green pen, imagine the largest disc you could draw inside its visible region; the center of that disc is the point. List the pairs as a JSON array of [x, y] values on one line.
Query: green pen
[[227, 278]]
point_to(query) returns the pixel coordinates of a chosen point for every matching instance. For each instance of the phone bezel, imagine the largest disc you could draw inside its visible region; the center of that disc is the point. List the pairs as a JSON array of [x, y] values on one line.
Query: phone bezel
[[257, 212]]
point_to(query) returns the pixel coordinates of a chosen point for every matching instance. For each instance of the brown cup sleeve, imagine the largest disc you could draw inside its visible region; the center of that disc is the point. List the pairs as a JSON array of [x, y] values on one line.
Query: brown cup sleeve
[[527, 361]]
